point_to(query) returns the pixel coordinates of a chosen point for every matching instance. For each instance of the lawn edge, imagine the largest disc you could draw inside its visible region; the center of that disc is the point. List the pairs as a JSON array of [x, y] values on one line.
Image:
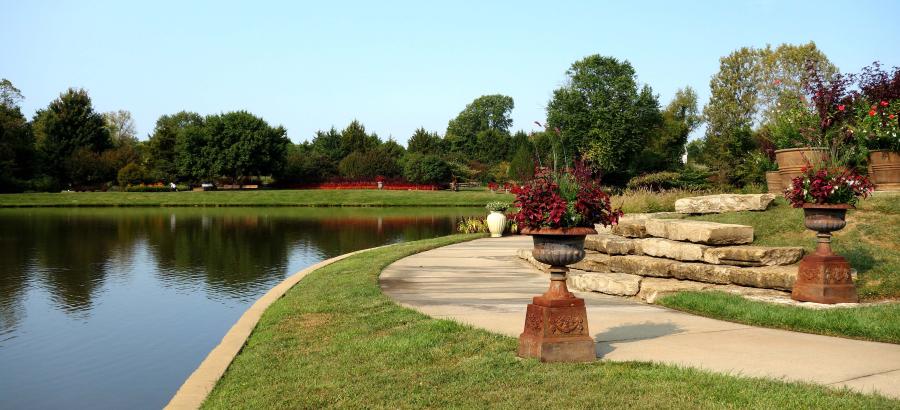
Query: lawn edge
[[204, 378]]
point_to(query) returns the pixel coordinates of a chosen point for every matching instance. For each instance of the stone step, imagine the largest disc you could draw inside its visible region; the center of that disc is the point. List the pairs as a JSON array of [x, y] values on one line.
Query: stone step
[[768, 277], [654, 288], [612, 244], [714, 204], [753, 255], [708, 233], [593, 262], [665, 248], [632, 225], [610, 283]]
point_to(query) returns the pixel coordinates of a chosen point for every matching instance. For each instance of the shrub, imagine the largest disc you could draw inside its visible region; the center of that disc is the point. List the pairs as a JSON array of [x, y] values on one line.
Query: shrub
[[656, 181], [367, 165], [472, 225], [688, 178], [425, 169], [131, 174]]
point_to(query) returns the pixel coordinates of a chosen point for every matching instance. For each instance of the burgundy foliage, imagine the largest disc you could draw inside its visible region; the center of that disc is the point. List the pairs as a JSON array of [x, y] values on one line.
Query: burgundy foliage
[[828, 186], [543, 204]]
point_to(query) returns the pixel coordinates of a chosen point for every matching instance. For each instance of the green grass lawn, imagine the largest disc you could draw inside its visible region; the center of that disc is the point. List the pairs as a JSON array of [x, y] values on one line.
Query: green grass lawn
[[256, 198], [871, 242], [879, 323], [335, 340]]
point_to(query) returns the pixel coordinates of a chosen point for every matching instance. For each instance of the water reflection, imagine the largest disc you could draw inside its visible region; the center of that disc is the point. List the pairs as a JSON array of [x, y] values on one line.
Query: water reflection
[[68, 275]]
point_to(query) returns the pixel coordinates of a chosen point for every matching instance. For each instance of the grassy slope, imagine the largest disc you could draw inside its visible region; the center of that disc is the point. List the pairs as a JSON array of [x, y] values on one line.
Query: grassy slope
[[256, 198], [871, 242], [336, 341]]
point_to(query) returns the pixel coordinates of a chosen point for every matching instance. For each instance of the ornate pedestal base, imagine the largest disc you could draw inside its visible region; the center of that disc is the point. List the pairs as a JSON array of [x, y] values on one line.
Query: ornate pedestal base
[[556, 325], [824, 279]]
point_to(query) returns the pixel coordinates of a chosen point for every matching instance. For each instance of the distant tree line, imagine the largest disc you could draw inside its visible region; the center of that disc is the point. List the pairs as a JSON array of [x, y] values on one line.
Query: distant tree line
[[602, 115]]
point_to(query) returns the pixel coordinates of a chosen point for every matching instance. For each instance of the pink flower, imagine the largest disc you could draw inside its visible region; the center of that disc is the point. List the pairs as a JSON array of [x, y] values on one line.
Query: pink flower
[[841, 107], [884, 103], [777, 81], [891, 116]]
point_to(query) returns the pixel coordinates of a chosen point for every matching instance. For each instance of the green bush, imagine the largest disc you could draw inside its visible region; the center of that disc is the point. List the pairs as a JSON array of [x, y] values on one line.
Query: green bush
[[425, 169], [688, 178], [368, 165], [131, 174]]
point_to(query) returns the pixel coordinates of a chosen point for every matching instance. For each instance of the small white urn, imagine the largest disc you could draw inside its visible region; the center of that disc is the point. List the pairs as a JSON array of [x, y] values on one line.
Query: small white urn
[[496, 223]]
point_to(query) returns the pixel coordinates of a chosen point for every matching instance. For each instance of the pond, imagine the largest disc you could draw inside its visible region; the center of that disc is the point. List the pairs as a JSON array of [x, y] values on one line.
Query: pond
[[114, 308]]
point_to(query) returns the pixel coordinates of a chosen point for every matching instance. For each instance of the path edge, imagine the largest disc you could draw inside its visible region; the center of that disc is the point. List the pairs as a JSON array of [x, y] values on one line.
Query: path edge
[[201, 382]]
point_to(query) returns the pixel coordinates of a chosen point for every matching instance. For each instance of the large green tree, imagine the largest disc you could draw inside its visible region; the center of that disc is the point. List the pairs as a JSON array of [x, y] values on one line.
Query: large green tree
[[745, 92], [355, 138], [163, 161], [66, 125], [488, 112], [667, 144], [16, 141], [425, 142], [602, 113], [241, 144]]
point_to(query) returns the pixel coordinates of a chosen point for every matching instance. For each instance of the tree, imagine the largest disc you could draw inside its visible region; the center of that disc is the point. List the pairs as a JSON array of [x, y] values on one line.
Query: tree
[[328, 144], [193, 152], [667, 145], [602, 114], [16, 141], [491, 146], [241, 144], [425, 169], [391, 149], [162, 152], [10, 96], [368, 165], [424, 142], [488, 112], [355, 138], [744, 93], [521, 167], [66, 125], [121, 127], [131, 174]]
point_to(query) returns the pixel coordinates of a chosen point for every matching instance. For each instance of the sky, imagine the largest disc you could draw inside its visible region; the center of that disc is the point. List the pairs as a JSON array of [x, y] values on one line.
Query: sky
[[397, 66]]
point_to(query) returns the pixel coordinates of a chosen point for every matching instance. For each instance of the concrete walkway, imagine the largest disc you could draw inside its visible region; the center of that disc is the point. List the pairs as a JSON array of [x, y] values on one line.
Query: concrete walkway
[[484, 284]]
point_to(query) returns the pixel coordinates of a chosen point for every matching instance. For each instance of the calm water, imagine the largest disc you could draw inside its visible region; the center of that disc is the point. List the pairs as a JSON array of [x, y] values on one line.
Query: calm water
[[114, 308]]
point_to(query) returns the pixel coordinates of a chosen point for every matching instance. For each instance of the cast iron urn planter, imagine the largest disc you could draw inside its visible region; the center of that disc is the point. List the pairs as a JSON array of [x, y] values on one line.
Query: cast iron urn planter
[[556, 325], [824, 277]]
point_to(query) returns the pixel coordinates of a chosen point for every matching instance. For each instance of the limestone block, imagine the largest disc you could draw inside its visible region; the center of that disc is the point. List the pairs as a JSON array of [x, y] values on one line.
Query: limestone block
[[610, 283], [710, 204], [709, 233], [640, 265], [701, 272], [653, 288], [630, 228], [593, 262], [610, 244], [767, 277], [753, 255], [664, 248]]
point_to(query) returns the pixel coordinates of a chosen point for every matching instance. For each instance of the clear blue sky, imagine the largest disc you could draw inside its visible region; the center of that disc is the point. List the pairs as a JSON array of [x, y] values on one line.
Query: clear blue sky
[[396, 66]]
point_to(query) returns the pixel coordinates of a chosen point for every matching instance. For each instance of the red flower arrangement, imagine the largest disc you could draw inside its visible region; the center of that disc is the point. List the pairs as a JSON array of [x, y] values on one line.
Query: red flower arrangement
[[828, 186], [569, 199]]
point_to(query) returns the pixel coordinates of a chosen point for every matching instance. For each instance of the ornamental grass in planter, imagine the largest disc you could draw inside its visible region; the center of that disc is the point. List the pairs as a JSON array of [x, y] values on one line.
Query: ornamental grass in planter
[[825, 195], [558, 209]]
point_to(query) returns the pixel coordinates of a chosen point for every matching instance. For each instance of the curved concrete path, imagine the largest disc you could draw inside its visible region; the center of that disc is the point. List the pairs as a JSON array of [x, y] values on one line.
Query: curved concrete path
[[484, 284]]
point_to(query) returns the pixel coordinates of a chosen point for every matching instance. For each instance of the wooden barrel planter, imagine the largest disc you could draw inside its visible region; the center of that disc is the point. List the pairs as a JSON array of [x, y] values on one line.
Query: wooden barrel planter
[[884, 169], [791, 161], [773, 182]]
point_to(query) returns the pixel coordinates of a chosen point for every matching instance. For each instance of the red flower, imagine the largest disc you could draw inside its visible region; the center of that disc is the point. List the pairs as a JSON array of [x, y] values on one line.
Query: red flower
[[872, 113], [884, 103], [891, 116], [841, 107], [777, 81]]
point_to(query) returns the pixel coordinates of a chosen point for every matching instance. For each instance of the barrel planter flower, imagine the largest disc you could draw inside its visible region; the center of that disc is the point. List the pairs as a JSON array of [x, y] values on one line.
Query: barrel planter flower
[[792, 161]]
